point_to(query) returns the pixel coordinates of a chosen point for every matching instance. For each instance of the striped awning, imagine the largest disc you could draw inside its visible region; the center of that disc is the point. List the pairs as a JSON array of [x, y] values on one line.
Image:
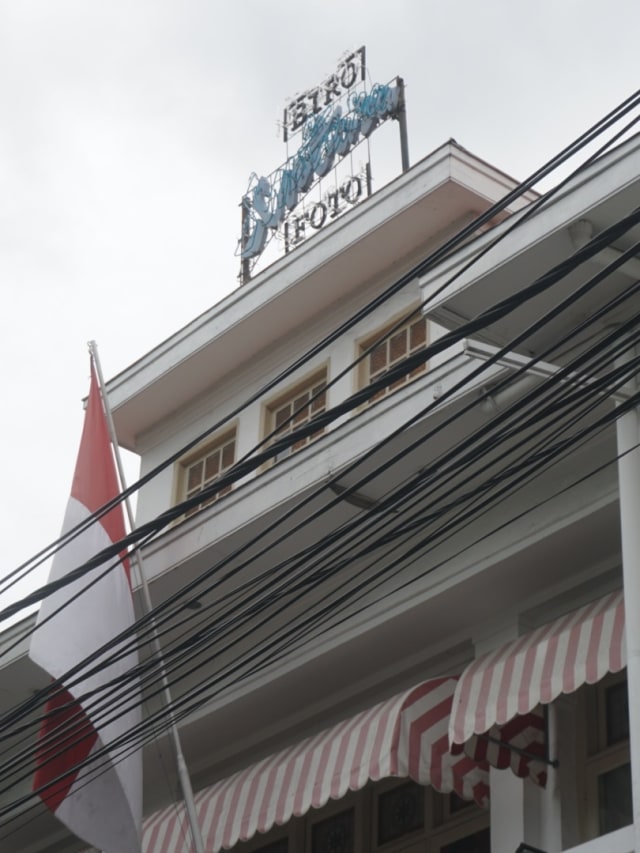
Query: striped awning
[[519, 745], [405, 736], [580, 648]]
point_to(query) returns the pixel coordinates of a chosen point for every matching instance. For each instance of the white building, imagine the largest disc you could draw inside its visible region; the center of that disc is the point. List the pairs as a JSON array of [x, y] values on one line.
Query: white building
[[510, 535]]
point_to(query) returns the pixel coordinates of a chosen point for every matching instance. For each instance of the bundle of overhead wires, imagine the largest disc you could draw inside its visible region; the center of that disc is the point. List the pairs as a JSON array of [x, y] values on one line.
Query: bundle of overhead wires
[[314, 567]]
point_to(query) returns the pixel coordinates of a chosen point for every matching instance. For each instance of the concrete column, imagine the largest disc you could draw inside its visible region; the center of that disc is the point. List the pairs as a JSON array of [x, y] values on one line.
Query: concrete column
[[628, 434], [520, 810], [543, 812], [507, 811]]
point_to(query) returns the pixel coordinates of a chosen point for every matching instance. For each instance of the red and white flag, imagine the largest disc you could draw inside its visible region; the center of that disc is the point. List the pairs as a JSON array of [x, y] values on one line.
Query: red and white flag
[[99, 800]]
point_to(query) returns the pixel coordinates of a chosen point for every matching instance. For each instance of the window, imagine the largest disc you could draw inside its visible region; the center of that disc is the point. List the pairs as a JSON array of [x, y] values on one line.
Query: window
[[607, 768], [477, 842], [399, 811], [410, 817], [295, 408], [390, 816], [336, 833], [281, 846], [201, 470], [408, 339]]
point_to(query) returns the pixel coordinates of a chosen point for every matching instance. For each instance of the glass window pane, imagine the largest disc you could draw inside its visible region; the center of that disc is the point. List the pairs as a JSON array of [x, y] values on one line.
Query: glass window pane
[[479, 842], [212, 465], [418, 334], [397, 384], [457, 804], [400, 811], [301, 408], [333, 835], [281, 846], [318, 405], [282, 415], [617, 711], [301, 400], [317, 389], [398, 346], [614, 799], [378, 359], [194, 476], [228, 453]]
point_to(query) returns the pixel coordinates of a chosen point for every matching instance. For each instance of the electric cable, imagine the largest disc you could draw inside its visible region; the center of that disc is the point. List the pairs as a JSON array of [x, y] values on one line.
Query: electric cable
[[610, 119], [218, 486], [323, 419]]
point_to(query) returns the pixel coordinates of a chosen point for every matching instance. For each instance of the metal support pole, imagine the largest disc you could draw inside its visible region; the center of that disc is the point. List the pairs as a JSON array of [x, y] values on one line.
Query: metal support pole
[[367, 171], [245, 265], [401, 115], [181, 766], [628, 435]]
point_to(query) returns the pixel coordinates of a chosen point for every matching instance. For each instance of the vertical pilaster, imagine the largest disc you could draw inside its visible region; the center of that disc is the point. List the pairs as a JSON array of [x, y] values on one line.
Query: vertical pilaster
[[628, 435], [520, 810]]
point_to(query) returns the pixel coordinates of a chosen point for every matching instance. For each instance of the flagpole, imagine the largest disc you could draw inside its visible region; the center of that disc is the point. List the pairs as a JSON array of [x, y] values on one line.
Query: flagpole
[[183, 773]]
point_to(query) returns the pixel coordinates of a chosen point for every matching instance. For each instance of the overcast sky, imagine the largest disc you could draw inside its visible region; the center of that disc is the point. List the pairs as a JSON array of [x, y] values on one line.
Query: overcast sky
[[128, 132]]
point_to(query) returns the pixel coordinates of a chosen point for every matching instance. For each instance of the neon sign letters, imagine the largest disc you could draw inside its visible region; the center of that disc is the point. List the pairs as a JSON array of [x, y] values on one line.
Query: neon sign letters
[[331, 205], [350, 71], [325, 136], [330, 120]]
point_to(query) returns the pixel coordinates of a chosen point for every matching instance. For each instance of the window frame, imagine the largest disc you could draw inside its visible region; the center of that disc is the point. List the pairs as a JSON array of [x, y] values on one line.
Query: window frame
[[441, 826], [595, 756], [382, 335], [353, 801], [451, 833], [310, 384], [407, 840], [201, 453]]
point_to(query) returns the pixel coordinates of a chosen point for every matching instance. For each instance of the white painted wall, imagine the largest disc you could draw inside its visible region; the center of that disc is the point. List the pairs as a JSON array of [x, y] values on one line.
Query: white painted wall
[[169, 436]]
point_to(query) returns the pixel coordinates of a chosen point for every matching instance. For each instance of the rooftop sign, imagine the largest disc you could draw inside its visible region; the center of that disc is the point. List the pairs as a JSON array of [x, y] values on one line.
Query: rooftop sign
[[329, 121], [350, 72]]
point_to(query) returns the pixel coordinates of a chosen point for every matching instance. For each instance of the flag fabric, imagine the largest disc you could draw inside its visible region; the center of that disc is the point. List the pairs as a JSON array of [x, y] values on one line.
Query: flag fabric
[[97, 798]]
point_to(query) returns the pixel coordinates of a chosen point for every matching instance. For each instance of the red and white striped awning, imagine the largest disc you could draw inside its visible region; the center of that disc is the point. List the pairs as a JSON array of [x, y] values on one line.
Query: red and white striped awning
[[581, 647], [405, 736], [492, 708]]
